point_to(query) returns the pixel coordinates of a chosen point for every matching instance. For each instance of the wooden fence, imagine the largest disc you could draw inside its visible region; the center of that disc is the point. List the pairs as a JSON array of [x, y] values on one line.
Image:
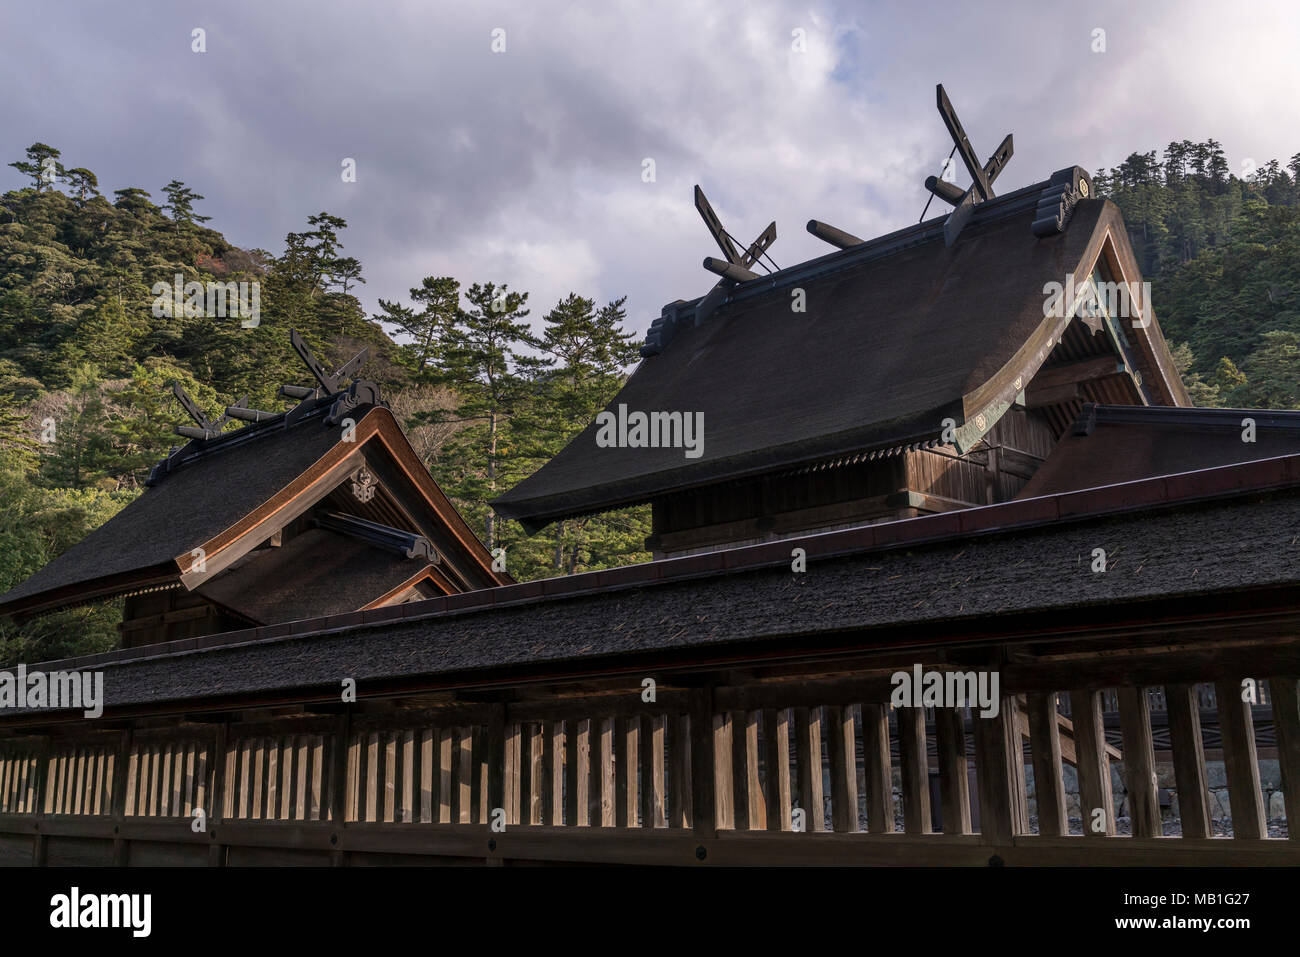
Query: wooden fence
[[722, 767]]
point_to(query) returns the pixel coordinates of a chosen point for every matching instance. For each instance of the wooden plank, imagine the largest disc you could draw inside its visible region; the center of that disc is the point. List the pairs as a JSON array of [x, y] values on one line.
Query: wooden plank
[[464, 808], [272, 778], [353, 808], [428, 808], [446, 774], [776, 767], [544, 789], [753, 784], [954, 781], [1188, 752], [595, 779], [571, 802], [1093, 764], [740, 770], [300, 761], [1045, 747], [808, 758], [1286, 725], [878, 767], [494, 796], [622, 746], [559, 767], [677, 737], [841, 749], [914, 771], [651, 741], [408, 806], [724, 757], [999, 767], [703, 792], [513, 772], [1139, 761], [1240, 761], [607, 757]]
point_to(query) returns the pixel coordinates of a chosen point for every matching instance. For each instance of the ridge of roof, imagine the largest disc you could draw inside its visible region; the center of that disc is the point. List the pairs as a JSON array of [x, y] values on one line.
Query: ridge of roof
[[1164, 492], [1094, 414]]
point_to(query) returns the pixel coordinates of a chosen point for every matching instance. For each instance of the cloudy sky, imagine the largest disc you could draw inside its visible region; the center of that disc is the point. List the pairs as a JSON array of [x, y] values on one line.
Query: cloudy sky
[[526, 166]]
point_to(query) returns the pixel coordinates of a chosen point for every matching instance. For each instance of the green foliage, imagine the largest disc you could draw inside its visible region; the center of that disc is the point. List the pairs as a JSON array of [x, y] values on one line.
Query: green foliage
[[1223, 258]]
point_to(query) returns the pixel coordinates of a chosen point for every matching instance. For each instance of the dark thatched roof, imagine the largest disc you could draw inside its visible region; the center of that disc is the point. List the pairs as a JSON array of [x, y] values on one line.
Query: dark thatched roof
[[190, 506], [897, 333]]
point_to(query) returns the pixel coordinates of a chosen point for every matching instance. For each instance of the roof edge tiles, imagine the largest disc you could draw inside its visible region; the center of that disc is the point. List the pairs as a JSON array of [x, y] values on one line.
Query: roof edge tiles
[[1166, 491]]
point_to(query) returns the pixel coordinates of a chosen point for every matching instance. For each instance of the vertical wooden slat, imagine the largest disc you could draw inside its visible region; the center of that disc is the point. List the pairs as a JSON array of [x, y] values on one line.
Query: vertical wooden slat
[[524, 748], [272, 778], [512, 774], [607, 758], [1240, 761], [879, 768], [622, 761], [1188, 750], [1139, 761], [678, 737], [495, 797], [465, 777], [573, 778], [544, 784], [428, 812], [446, 773], [1286, 724], [776, 761], [954, 786], [649, 744], [702, 792], [1000, 772], [594, 781], [557, 737], [287, 777], [389, 776], [808, 756], [654, 778], [740, 771], [372, 791], [354, 805], [753, 781], [841, 749], [723, 780], [1092, 762], [316, 777], [1045, 748], [914, 771], [201, 777]]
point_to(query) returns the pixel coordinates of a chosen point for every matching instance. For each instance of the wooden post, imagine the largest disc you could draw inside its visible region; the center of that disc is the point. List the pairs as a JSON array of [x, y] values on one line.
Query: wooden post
[[1000, 772], [1045, 748], [808, 757], [841, 747], [495, 756], [724, 759], [1240, 761], [652, 764], [702, 791], [738, 733], [42, 799], [624, 755], [879, 771], [1139, 761], [1189, 759], [915, 777], [344, 779], [1092, 762], [954, 785], [776, 758], [678, 736], [1286, 723], [571, 761]]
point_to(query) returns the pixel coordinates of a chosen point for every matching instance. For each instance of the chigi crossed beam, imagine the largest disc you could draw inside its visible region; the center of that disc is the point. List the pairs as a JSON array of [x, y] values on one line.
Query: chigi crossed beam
[[736, 266], [982, 176], [963, 201]]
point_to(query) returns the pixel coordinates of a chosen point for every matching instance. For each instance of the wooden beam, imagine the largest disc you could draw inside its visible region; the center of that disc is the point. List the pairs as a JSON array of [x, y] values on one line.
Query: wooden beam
[[915, 773], [954, 783], [1139, 761], [808, 755], [1240, 761], [1045, 747], [1286, 724], [1188, 754], [1094, 764]]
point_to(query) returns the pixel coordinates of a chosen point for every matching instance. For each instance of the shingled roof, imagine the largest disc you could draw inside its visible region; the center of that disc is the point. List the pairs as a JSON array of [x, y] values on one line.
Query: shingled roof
[[899, 334], [989, 571], [232, 492]]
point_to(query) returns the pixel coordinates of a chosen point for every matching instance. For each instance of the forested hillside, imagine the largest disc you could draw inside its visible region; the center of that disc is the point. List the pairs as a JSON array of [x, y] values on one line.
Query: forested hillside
[[85, 368], [85, 363], [1223, 257]]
